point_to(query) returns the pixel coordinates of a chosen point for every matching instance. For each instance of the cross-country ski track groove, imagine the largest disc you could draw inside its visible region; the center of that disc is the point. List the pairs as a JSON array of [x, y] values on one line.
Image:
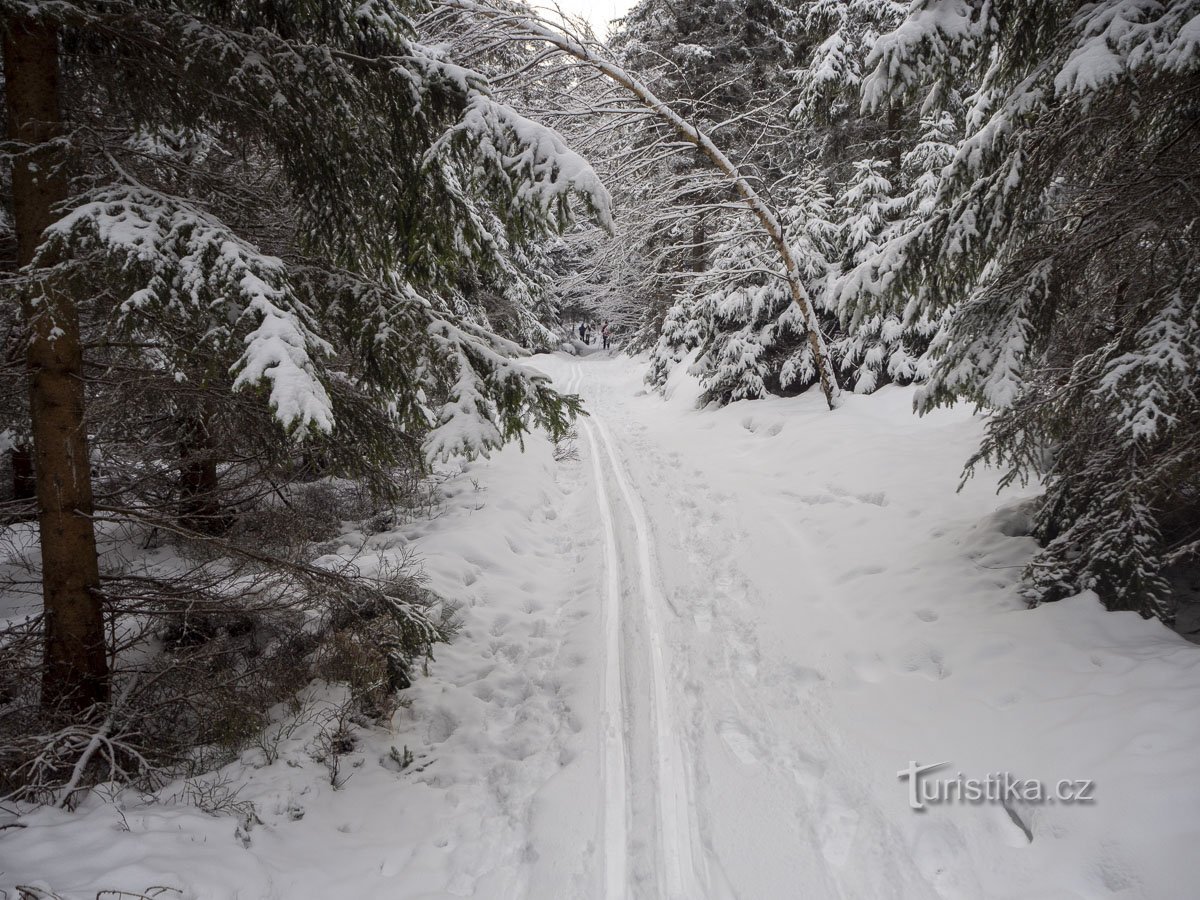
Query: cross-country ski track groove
[[680, 870], [615, 837]]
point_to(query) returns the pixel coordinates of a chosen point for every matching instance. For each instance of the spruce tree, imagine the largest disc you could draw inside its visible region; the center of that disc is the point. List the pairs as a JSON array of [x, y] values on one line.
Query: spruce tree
[[1063, 250], [268, 203]]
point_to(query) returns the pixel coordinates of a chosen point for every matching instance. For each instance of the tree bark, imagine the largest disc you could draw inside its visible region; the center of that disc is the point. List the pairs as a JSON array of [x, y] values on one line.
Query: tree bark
[[199, 506], [75, 670]]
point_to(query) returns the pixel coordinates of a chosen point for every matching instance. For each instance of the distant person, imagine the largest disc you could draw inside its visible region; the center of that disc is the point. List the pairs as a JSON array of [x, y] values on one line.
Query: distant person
[[604, 334], [583, 331]]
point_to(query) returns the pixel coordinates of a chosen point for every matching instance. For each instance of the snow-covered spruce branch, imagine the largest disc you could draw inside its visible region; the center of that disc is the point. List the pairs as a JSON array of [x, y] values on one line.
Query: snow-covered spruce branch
[[525, 27]]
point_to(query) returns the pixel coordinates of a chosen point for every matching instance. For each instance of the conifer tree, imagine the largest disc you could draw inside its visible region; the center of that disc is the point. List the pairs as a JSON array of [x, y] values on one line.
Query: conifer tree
[[269, 201], [860, 158], [1063, 250]]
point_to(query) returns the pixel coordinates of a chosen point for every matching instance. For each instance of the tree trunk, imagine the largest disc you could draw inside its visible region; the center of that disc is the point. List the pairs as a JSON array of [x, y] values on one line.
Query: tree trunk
[[699, 245], [24, 486], [895, 128], [199, 508], [699, 232], [75, 671]]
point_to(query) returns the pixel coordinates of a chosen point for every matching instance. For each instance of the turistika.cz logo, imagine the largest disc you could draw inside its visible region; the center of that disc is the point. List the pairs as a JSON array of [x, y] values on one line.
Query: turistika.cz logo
[[996, 787]]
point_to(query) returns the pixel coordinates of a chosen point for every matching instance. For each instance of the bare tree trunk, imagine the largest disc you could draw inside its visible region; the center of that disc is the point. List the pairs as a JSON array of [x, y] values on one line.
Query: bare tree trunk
[[75, 672], [699, 231], [895, 127]]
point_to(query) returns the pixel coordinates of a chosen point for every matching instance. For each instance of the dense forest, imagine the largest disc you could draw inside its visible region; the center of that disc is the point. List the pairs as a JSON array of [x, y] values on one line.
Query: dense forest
[[270, 268]]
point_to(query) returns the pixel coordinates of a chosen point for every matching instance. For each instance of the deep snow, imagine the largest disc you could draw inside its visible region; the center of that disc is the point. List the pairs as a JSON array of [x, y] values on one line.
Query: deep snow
[[694, 661]]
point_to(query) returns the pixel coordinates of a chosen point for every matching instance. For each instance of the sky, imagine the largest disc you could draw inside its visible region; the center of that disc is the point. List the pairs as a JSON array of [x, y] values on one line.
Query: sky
[[598, 12]]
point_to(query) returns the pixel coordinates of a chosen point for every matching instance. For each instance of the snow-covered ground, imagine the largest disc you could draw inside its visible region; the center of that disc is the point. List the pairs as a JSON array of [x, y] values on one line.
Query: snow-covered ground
[[694, 661]]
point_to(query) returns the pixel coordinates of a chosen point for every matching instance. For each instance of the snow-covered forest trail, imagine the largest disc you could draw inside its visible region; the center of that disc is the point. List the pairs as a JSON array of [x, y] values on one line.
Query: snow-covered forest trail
[[717, 787], [692, 662], [804, 604]]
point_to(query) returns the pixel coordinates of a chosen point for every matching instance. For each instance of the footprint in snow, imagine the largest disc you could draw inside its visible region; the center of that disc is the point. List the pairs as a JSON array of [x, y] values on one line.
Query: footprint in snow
[[860, 572], [801, 676], [836, 830], [923, 661], [441, 725], [871, 498], [812, 499], [740, 744], [876, 498]]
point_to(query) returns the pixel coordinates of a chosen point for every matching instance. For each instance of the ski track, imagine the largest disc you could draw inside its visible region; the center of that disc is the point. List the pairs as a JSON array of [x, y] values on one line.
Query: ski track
[[615, 813], [711, 680], [680, 871]]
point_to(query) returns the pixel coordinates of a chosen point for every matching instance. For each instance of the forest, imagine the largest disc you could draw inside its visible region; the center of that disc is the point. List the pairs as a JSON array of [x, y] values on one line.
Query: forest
[[297, 430]]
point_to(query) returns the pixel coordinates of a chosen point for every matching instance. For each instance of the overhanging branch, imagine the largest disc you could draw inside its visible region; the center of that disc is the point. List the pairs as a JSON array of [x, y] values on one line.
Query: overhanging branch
[[524, 27]]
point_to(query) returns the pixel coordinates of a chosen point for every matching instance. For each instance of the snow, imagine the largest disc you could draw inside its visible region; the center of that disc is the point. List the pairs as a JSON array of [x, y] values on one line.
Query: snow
[[277, 349], [183, 259], [543, 167], [932, 27], [693, 662]]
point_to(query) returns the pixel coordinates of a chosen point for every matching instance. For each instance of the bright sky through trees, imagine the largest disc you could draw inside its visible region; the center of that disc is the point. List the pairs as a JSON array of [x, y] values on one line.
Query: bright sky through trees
[[598, 12]]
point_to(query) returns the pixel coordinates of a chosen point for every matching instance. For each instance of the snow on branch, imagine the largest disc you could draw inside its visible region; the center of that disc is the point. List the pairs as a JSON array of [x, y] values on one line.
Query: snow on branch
[[543, 170], [460, 387], [176, 260], [1118, 39], [531, 160], [520, 26], [1145, 380], [936, 34]]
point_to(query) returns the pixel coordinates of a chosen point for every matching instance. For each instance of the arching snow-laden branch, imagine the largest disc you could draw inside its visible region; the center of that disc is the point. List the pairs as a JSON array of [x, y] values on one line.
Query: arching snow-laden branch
[[527, 27]]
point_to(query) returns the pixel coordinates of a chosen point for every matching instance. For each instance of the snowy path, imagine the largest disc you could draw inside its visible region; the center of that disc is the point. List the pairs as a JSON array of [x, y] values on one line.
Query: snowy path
[[687, 684], [692, 663], [676, 874], [612, 719], [806, 605]]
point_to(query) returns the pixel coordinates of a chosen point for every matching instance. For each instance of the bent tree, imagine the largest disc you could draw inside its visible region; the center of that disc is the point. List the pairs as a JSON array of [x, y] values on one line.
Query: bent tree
[[524, 27]]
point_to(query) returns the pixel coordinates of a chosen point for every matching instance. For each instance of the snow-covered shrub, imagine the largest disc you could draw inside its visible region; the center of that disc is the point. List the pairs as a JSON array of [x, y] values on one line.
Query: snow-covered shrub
[[206, 648]]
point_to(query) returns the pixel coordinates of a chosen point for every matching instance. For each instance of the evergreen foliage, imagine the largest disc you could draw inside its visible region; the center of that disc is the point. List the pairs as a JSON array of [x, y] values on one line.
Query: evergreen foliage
[[1062, 250], [283, 226]]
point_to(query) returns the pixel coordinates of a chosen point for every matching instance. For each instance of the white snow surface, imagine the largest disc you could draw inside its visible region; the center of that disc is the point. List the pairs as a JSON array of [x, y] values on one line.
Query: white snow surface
[[693, 662]]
